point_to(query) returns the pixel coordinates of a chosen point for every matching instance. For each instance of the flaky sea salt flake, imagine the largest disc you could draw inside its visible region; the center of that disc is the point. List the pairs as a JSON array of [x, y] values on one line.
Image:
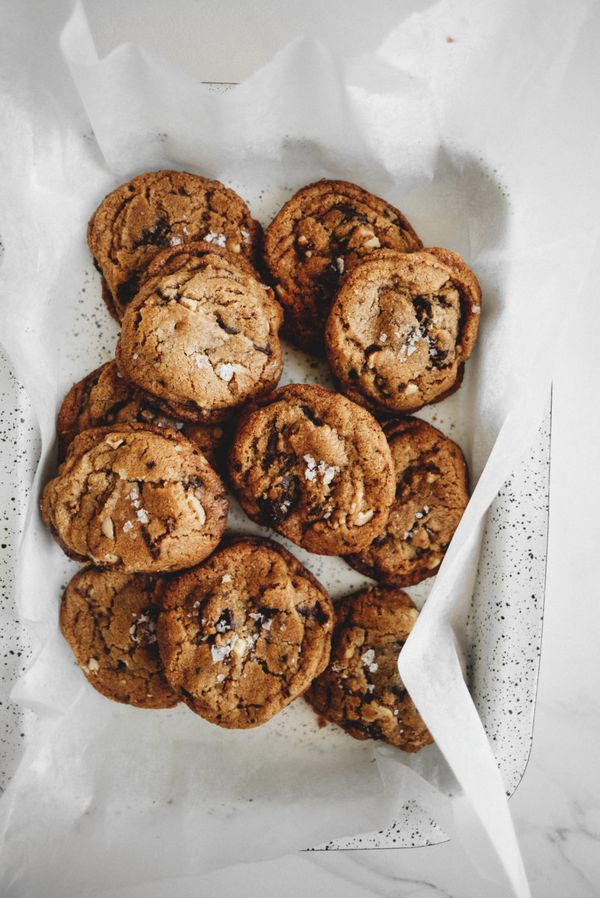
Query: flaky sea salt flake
[[226, 371], [368, 660], [217, 239]]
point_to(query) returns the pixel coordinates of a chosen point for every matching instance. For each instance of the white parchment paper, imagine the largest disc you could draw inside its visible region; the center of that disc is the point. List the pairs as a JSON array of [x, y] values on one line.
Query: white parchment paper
[[472, 119]]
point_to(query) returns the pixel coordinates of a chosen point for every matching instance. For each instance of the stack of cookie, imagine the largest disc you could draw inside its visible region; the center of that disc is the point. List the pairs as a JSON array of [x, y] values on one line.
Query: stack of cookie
[[172, 608]]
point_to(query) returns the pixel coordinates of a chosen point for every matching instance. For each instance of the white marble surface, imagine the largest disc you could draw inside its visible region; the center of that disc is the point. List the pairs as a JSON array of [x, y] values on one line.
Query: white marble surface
[[557, 806]]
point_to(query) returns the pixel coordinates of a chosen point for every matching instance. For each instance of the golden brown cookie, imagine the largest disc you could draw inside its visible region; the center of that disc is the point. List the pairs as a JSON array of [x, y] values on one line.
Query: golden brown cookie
[[161, 209], [402, 327], [109, 620], [431, 496], [103, 397], [245, 633], [315, 467], [361, 689], [321, 233], [203, 338], [135, 498], [173, 259]]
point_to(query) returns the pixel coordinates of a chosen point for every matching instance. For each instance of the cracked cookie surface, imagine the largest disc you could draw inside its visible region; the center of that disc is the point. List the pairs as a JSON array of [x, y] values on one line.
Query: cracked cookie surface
[[135, 498], [245, 633], [202, 336], [361, 690], [431, 496], [160, 209], [103, 398], [109, 620], [402, 327], [315, 467], [318, 235]]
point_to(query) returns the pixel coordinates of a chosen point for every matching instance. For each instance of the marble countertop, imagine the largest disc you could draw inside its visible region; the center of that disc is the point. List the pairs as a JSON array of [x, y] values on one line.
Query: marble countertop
[[556, 808]]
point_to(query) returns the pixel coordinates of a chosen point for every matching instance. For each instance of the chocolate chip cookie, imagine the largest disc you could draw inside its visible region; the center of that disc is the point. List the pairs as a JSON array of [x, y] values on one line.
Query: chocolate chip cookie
[[315, 467], [109, 620], [103, 397], [135, 498], [431, 496], [361, 689], [245, 633], [402, 327], [160, 209], [201, 337], [319, 234]]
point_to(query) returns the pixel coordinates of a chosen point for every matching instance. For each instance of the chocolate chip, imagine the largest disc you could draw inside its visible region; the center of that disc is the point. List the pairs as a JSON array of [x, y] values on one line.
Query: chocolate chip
[[422, 306], [127, 290], [349, 212], [229, 329], [157, 234], [271, 451], [308, 413], [284, 495]]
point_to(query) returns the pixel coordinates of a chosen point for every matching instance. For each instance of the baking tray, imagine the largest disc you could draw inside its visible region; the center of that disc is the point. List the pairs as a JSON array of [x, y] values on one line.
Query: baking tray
[[504, 626]]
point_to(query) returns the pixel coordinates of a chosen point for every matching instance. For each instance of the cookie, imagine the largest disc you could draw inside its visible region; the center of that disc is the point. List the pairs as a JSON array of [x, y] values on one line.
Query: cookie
[[103, 397], [109, 620], [160, 209], [431, 496], [173, 259], [361, 689], [135, 498], [402, 327], [245, 633], [315, 467], [202, 338], [322, 232]]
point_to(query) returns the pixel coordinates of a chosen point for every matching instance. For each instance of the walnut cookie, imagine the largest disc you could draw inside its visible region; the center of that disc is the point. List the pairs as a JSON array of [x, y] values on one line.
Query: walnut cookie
[[318, 235], [361, 689], [315, 467], [109, 620], [135, 498], [201, 336], [244, 633], [401, 328], [160, 209], [431, 496], [103, 398]]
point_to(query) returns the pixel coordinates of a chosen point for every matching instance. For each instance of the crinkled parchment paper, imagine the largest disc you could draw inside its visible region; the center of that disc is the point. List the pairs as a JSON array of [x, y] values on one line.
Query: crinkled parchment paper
[[485, 142]]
